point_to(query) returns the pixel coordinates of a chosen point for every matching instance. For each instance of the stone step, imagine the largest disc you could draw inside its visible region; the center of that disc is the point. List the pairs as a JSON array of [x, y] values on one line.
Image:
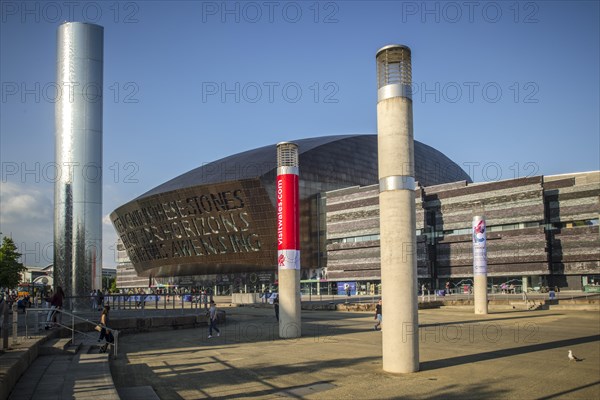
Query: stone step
[[89, 378], [57, 346], [66, 375], [137, 393], [43, 379]]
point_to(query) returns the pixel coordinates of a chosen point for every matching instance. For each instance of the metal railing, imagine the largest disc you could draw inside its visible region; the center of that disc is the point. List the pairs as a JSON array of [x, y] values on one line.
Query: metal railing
[[142, 302], [56, 320]]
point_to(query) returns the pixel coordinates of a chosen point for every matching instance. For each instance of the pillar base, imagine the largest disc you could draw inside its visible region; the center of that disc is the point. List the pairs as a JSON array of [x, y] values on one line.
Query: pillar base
[[480, 294]]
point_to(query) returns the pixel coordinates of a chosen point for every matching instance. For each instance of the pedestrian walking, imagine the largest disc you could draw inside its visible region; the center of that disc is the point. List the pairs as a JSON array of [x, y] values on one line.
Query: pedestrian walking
[[2, 305], [94, 300], [378, 316], [205, 299], [276, 306], [212, 315], [56, 304], [100, 297], [37, 301], [105, 332]]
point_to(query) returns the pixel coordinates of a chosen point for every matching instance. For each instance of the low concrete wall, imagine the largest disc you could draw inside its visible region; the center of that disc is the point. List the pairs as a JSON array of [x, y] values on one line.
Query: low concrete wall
[[594, 300], [575, 307], [318, 306], [245, 298], [584, 304], [16, 361], [126, 325], [370, 307]]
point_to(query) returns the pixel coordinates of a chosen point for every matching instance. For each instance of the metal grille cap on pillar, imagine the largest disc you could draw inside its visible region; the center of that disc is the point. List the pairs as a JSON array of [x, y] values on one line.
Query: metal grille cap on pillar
[[397, 220], [288, 239]]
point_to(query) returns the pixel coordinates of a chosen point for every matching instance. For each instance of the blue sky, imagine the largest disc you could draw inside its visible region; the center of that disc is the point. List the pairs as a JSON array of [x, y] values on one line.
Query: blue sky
[[505, 89]]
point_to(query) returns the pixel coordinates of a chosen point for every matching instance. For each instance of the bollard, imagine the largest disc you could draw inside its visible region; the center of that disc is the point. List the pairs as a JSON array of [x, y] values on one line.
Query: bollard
[[5, 325], [15, 322]]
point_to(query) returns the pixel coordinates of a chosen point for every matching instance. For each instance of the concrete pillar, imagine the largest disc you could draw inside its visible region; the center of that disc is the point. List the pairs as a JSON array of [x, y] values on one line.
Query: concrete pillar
[[288, 240], [525, 284], [397, 210], [480, 265]]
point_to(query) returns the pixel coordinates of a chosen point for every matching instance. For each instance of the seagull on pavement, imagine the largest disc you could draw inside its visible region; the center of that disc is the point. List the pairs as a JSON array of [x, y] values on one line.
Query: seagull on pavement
[[573, 358]]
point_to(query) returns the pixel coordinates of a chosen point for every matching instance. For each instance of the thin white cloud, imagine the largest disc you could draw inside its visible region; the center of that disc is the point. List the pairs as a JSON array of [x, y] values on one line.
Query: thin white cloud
[[26, 215], [21, 202]]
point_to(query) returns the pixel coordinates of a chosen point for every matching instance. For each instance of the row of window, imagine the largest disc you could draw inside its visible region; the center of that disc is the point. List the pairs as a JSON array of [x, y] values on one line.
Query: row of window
[[354, 239], [467, 231], [492, 228]]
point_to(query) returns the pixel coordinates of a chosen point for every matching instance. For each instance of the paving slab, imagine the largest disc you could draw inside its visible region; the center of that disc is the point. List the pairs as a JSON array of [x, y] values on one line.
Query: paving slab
[[138, 393], [512, 354]]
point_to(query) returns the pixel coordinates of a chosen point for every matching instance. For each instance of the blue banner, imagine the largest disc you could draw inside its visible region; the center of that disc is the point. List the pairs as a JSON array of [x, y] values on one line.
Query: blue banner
[[346, 288]]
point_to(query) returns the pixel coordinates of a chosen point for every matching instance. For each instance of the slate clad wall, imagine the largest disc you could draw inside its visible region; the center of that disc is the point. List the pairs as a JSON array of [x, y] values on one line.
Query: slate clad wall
[[354, 212], [573, 199], [519, 213], [569, 201], [575, 251], [505, 202], [515, 252], [510, 252]]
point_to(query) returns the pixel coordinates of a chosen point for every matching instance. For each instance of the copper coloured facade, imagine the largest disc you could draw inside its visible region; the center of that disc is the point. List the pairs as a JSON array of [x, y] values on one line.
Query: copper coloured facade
[[206, 229]]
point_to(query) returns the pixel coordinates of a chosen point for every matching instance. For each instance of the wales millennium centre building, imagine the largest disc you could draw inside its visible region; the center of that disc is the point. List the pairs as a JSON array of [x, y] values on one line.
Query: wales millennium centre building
[[215, 226]]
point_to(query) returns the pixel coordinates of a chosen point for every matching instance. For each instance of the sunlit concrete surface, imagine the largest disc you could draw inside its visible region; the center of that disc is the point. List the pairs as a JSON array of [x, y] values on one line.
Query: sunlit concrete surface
[[516, 354]]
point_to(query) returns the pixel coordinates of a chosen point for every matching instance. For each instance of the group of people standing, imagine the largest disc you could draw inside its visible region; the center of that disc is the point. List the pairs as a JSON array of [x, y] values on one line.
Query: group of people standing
[[97, 298]]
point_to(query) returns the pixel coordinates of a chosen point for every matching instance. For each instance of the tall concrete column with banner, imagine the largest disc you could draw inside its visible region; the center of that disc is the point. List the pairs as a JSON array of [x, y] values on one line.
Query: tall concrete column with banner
[[397, 217], [288, 240], [480, 265]]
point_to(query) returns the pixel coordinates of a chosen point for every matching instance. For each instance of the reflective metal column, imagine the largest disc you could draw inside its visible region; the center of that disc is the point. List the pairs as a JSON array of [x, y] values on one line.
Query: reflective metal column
[[78, 185]]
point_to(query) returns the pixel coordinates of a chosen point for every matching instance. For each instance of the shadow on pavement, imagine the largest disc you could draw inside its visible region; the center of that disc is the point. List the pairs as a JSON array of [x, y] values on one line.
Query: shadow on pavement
[[515, 351], [473, 321], [565, 392]]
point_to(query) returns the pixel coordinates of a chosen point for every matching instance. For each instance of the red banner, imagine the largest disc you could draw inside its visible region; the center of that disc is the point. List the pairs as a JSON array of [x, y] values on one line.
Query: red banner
[[288, 217]]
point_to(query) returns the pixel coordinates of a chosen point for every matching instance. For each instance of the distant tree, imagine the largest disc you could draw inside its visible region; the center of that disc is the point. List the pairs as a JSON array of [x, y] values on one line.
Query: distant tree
[[10, 268], [113, 286]]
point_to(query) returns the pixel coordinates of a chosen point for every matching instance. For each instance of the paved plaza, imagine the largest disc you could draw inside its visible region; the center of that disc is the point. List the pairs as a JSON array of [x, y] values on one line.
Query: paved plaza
[[506, 354]]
